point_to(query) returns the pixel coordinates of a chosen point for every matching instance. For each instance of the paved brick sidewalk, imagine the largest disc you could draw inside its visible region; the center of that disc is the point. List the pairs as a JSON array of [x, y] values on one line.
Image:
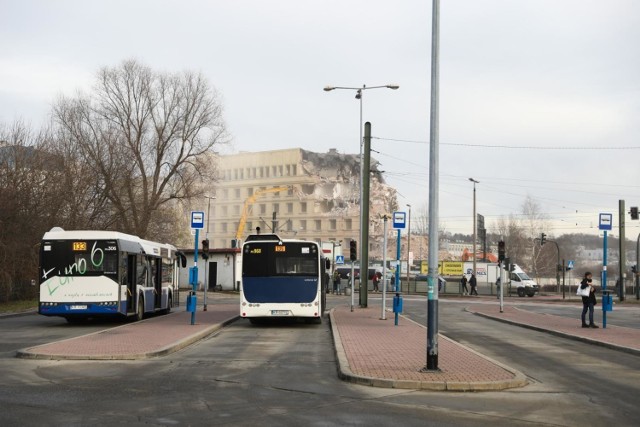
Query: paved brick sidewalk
[[154, 337], [376, 352], [620, 338]]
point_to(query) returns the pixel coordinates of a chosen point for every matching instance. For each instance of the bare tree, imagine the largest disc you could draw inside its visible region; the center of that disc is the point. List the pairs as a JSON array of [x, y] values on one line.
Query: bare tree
[[147, 137], [31, 201]]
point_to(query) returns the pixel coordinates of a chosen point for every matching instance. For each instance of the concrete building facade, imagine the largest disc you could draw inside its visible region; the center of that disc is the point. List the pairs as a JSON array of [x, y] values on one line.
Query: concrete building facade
[[297, 194]]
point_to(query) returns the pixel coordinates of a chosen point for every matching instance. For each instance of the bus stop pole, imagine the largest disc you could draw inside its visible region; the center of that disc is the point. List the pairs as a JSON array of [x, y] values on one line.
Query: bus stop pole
[[383, 316]]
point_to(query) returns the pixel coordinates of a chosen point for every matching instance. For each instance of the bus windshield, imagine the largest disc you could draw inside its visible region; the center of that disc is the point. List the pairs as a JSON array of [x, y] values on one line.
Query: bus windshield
[[78, 258], [263, 259]]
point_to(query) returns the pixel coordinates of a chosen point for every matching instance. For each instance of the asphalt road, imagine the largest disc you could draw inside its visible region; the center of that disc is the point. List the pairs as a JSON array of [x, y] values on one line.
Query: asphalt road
[[285, 374]]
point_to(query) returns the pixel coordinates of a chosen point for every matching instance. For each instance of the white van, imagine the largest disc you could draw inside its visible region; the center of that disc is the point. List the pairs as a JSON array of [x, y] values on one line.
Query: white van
[[524, 284]]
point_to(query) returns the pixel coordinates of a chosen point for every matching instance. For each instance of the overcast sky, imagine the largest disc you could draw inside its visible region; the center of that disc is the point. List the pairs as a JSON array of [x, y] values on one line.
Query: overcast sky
[[538, 98]]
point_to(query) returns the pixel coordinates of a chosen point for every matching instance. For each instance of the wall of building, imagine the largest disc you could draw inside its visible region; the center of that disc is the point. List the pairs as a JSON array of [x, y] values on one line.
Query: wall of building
[[227, 272], [321, 201]]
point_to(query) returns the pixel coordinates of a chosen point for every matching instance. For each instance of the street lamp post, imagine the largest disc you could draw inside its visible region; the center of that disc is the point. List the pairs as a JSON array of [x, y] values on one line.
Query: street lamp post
[[408, 245], [474, 223], [206, 264], [359, 94]]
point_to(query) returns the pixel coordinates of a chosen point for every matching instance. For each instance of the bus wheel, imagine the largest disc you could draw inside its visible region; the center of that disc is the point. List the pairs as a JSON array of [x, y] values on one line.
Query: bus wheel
[[140, 310]]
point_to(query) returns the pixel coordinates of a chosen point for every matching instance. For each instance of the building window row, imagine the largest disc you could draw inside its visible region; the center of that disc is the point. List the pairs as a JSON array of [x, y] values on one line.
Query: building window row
[[273, 171], [289, 225]]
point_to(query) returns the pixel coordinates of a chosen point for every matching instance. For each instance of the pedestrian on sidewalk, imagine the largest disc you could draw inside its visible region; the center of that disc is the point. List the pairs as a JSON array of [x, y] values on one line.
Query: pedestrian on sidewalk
[[336, 281], [376, 281], [463, 283], [588, 302], [474, 284]]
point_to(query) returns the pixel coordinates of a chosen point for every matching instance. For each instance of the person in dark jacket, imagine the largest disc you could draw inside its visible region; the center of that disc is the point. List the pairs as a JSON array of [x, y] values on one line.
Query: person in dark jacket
[[588, 302], [463, 282], [473, 283]]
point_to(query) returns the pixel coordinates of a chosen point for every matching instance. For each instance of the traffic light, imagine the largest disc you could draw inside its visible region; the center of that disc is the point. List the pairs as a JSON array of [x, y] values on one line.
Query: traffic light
[[353, 251], [543, 239], [205, 249], [634, 212], [501, 250], [634, 269]]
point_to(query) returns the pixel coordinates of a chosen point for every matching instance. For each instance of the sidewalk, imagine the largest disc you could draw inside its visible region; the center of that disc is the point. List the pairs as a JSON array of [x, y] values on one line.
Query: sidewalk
[[153, 337], [375, 352], [616, 337]]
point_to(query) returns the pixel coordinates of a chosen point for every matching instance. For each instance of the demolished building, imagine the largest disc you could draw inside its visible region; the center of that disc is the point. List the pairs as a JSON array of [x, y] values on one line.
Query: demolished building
[[298, 194]]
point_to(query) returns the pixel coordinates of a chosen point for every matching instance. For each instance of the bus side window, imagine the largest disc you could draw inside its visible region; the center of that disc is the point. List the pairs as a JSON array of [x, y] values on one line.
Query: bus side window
[[142, 272]]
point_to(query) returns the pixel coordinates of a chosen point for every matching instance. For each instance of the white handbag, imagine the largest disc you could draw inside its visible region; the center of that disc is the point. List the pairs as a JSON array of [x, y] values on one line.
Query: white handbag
[[583, 292]]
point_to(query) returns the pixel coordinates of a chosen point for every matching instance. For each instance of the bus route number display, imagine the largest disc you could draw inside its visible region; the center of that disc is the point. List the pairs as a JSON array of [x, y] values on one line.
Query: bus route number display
[[256, 251], [79, 246], [280, 248]]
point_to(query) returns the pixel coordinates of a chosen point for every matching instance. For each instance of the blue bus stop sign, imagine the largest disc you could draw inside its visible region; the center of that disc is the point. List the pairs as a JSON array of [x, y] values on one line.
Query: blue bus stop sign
[[605, 221], [197, 220], [399, 219]]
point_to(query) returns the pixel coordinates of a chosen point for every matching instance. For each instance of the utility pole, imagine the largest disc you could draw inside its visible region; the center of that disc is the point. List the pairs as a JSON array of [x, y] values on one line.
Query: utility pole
[[622, 248], [432, 290], [364, 249]]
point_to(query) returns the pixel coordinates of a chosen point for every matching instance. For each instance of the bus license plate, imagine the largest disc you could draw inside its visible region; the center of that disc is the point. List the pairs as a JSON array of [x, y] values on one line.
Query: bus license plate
[[78, 307], [280, 312]]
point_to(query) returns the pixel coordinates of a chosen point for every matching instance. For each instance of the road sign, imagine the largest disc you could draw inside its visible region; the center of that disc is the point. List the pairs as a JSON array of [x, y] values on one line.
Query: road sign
[[197, 220], [570, 264], [339, 259], [399, 219], [606, 221]]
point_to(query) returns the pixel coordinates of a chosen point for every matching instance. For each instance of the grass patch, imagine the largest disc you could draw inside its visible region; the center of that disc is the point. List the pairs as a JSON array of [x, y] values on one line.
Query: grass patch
[[18, 306]]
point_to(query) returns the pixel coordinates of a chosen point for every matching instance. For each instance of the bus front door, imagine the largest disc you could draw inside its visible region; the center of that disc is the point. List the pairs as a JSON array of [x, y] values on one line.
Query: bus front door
[[131, 283]]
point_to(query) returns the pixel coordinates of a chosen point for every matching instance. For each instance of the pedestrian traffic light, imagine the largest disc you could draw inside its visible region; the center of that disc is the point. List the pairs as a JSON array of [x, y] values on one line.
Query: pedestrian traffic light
[[353, 251], [543, 239], [205, 249], [501, 250], [634, 212]]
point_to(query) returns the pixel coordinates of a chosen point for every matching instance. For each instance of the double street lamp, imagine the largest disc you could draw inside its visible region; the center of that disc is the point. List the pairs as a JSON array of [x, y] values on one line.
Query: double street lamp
[[359, 94]]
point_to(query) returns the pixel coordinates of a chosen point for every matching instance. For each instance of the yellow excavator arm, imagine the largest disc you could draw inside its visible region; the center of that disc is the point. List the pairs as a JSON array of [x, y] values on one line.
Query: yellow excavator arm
[[249, 201]]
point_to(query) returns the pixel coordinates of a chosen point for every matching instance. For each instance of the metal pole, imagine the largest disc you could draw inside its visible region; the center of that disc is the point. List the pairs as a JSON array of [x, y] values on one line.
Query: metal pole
[[364, 261], [475, 227], [398, 271], [195, 267], [432, 294], [604, 278], [622, 248], [501, 288], [353, 281], [384, 268], [563, 277], [408, 245], [206, 263], [359, 94]]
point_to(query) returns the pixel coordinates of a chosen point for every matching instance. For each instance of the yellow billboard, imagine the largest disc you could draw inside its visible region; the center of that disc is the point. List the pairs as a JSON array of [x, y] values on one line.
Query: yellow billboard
[[445, 268]]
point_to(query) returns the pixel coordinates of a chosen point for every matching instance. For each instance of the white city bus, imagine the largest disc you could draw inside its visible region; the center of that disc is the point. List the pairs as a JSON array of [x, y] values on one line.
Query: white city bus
[[85, 274], [282, 279]]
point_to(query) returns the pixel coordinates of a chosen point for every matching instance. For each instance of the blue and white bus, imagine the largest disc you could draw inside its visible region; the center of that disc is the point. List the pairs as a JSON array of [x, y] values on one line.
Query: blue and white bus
[[86, 274], [282, 279]]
